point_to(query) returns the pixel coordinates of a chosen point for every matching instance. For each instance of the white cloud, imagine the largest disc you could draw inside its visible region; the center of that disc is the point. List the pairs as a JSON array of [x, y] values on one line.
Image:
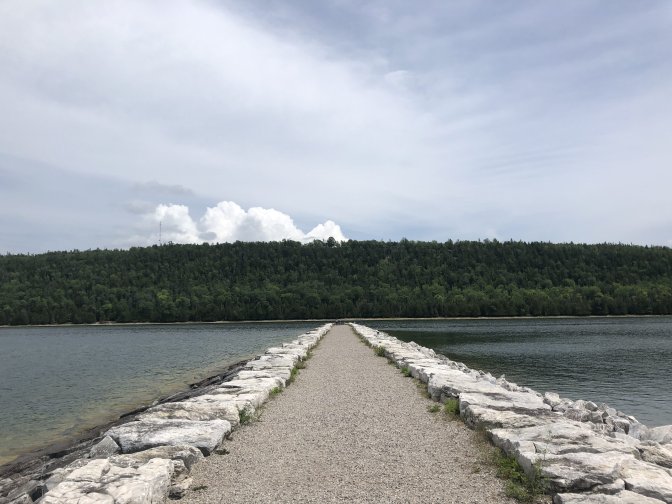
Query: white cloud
[[176, 224], [228, 222]]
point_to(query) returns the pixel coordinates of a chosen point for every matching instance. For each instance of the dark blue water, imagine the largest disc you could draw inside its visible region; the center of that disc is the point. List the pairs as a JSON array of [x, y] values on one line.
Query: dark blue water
[[57, 381], [625, 362]]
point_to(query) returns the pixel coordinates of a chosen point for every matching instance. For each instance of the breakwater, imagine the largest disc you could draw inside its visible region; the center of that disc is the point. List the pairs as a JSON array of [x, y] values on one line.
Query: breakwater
[[586, 452], [148, 457]]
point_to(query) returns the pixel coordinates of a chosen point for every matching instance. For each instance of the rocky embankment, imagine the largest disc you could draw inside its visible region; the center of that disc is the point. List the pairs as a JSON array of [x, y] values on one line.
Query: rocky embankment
[[148, 458], [586, 452]]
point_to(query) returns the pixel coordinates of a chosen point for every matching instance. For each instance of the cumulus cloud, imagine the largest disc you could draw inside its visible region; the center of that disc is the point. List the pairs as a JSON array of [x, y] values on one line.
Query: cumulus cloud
[[228, 222]]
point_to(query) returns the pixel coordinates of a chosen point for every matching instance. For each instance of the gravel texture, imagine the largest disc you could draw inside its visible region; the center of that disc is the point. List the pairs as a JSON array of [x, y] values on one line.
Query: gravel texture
[[350, 428]]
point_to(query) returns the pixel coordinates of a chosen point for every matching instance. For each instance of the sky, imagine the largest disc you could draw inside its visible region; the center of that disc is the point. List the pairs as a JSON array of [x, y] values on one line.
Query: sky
[[127, 122]]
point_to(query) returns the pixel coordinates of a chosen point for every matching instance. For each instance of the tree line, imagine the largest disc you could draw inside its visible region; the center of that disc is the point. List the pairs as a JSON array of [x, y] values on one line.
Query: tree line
[[288, 280]]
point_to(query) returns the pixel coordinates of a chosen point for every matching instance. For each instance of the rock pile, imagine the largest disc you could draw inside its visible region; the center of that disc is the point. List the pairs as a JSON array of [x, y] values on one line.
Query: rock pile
[[588, 453], [149, 458]]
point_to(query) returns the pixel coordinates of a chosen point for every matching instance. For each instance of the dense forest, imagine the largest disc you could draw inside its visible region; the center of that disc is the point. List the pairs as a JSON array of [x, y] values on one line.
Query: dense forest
[[287, 280]]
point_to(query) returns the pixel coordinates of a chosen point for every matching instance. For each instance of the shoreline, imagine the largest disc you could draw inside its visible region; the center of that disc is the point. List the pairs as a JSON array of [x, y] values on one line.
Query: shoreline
[[344, 319], [83, 440]]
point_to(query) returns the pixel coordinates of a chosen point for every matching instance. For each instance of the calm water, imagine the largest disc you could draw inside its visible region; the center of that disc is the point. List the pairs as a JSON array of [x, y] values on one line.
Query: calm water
[[57, 381], [625, 362]]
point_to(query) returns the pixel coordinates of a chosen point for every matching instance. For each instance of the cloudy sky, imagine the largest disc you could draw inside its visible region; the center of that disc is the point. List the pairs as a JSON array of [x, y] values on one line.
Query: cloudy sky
[[438, 120]]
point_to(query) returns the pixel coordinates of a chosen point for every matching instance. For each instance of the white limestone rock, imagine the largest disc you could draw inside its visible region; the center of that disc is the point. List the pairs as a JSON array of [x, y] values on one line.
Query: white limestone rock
[[578, 414], [144, 434], [251, 384], [104, 449], [479, 417], [282, 373], [647, 479], [103, 482], [656, 453], [570, 454], [270, 362], [294, 353], [452, 383], [423, 369], [552, 399], [521, 402], [623, 497], [192, 409], [662, 434], [186, 455], [240, 399]]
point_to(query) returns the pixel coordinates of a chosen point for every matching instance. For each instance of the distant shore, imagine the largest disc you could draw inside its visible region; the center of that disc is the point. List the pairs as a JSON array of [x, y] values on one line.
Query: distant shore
[[345, 319]]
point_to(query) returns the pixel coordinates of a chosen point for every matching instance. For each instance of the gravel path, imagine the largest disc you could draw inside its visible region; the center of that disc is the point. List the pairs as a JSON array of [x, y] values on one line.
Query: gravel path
[[350, 428]]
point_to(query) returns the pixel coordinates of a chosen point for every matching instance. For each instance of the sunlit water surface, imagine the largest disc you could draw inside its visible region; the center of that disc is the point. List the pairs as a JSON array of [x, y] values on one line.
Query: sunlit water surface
[[55, 382], [624, 362]]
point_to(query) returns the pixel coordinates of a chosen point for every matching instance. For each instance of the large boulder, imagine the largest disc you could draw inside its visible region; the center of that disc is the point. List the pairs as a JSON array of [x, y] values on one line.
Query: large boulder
[[479, 417], [571, 455], [647, 479], [144, 434], [656, 453], [250, 384], [187, 455], [101, 481], [662, 434], [193, 409], [449, 383], [519, 402]]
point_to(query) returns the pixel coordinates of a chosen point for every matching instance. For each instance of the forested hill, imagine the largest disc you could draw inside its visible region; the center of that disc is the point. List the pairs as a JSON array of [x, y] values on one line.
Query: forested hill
[[287, 280]]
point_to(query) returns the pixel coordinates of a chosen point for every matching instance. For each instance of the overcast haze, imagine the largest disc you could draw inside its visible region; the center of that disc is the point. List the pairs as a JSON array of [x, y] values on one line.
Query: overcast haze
[[228, 121]]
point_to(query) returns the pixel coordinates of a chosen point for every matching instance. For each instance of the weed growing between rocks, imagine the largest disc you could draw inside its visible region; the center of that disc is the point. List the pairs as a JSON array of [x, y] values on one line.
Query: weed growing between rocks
[[519, 486], [433, 408], [245, 416], [380, 351], [275, 391], [292, 375], [452, 407], [406, 371]]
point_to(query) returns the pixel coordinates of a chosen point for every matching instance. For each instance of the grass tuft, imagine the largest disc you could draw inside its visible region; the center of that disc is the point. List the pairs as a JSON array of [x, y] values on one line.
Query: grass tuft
[[275, 391], [519, 486], [433, 408], [406, 371], [380, 351], [452, 407], [245, 416], [292, 375]]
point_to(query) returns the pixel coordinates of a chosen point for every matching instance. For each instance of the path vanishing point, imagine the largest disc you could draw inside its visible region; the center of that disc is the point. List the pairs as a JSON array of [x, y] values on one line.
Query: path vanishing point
[[351, 428]]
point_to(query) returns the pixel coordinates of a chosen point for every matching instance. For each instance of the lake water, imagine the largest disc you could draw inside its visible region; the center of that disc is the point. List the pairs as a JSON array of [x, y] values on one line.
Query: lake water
[[624, 362], [56, 382]]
